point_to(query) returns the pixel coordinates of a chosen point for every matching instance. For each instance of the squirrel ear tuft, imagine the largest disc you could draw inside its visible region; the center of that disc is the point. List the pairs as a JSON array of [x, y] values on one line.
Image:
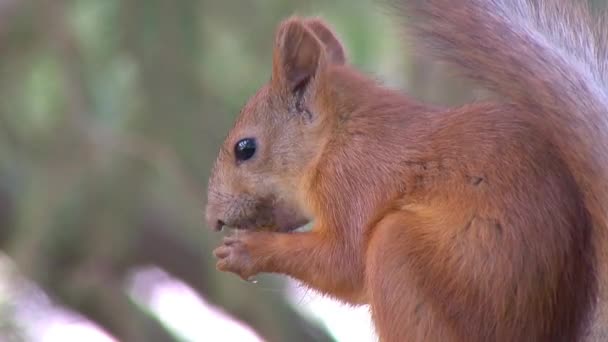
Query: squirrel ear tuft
[[325, 34], [298, 54]]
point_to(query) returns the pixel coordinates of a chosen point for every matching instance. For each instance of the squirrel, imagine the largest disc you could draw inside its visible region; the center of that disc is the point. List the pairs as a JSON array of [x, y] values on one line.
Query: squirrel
[[485, 222]]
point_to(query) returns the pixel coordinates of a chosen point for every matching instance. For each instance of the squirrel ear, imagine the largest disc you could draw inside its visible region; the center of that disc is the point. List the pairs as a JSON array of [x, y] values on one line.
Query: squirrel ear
[[325, 34], [298, 54]]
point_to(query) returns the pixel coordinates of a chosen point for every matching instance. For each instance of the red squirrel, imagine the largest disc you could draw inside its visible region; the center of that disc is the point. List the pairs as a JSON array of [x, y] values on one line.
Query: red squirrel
[[486, 222]]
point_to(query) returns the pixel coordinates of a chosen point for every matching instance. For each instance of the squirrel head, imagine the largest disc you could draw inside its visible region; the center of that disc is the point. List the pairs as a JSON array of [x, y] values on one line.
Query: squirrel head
[[277, 137]]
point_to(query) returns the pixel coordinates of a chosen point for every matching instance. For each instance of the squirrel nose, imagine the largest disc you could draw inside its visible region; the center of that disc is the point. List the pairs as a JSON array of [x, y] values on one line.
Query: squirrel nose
[[213, 222], [219, 224]]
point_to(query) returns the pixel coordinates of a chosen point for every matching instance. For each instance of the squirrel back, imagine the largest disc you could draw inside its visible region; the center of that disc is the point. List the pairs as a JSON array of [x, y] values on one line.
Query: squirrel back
[[550, 58]]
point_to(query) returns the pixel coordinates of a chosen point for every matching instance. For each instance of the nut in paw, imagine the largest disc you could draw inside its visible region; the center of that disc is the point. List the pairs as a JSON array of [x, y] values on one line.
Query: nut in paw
[[234, 256]]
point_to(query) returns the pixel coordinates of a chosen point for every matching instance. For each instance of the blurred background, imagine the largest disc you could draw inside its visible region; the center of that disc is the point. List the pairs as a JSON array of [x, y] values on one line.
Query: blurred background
[[111, 114]]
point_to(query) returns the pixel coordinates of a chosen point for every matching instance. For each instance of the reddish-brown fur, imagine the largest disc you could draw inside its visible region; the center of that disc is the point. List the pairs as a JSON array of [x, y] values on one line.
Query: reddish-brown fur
[[480, 223]]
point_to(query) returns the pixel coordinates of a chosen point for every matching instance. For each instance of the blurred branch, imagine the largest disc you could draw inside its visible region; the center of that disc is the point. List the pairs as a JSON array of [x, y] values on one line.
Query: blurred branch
[[157, 246], [102, 299]]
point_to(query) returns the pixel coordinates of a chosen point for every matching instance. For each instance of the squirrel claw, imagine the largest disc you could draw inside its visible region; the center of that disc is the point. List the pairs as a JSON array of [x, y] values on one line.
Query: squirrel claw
[[230, 240], [234, 257], [221, 252]]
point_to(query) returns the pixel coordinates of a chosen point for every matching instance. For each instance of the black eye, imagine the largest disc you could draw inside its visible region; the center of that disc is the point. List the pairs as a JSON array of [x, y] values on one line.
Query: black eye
[[244, 149]]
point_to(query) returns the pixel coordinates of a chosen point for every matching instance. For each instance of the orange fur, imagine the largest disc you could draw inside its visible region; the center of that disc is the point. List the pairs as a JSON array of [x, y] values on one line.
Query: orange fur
[[480, 223]]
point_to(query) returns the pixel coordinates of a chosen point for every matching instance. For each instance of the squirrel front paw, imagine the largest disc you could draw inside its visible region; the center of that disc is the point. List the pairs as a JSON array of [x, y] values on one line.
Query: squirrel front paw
[[235, 255]]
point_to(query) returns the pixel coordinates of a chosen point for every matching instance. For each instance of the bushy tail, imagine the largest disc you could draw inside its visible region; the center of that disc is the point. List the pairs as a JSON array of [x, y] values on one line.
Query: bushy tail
[[549, 57]]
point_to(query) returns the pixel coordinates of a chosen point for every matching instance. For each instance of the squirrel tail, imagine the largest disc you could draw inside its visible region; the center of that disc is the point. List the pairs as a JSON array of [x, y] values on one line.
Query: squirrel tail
[[549, 57]]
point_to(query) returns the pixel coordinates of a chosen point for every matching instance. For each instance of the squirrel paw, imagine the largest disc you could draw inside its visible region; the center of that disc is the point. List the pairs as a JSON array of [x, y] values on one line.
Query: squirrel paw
[[234, 256]]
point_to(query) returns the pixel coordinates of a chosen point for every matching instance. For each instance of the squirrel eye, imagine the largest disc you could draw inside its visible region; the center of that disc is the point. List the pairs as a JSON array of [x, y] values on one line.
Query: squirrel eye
[[245, 149]]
